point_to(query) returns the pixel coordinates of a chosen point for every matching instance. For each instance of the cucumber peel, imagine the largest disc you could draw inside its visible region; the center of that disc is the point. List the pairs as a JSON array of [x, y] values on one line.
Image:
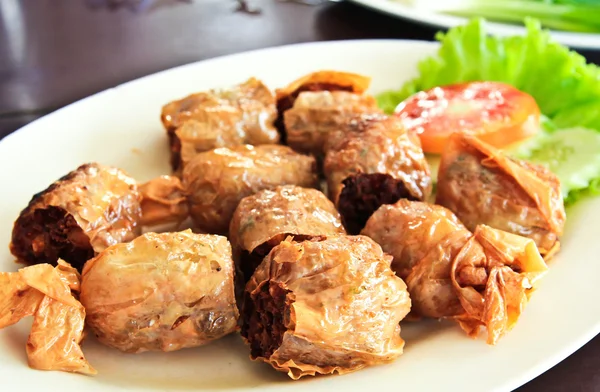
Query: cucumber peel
[[573, 154]]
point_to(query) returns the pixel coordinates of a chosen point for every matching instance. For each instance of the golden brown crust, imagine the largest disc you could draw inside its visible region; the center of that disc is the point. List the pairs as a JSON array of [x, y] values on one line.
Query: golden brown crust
[[494, 274], [243, 114], [316, 114], [344, 80], [78, 216], [376, 160], [216, 181], [269, 216], [219, 128], [482, 186], [163, 201], [328, 305], [408, 230], [287, 209], [316, 81], [161, 292], [480, 280], [47, 294]]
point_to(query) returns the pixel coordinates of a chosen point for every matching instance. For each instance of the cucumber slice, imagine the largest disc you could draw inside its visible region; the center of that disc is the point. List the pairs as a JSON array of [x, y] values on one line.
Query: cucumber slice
[[572, 154]]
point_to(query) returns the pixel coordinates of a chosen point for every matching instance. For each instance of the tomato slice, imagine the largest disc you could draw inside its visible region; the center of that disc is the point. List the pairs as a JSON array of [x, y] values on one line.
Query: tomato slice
[[494, 112]]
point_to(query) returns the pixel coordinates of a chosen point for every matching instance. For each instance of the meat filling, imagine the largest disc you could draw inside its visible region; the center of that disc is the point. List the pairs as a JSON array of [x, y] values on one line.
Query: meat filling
[[287, 102], [249, 261], [175, 145], [49, 234], [266, 315], [363, 194]]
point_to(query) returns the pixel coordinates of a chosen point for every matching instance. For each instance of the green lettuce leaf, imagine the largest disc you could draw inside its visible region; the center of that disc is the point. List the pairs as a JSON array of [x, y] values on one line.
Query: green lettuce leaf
[[593, 189]]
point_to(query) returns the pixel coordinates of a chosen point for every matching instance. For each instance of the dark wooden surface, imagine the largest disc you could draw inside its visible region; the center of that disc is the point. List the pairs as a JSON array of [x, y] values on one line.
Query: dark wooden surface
[[54, 52]]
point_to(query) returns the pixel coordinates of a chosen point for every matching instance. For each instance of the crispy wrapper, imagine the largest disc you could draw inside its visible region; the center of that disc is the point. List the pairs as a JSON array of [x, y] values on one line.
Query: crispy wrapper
[[78, 216], [345, 81], [494, 275], [323, 306], [47, 294], [263, 220], [220, 128], [408, 231], [482, 186], [243, 114], [317, 81], [377, 163], [216, 181], [161, 292], [316, 114], [163, 201], [482, 279]]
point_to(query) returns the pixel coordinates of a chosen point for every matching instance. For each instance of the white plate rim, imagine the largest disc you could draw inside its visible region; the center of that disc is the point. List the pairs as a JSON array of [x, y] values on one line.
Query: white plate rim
[[515, 382]]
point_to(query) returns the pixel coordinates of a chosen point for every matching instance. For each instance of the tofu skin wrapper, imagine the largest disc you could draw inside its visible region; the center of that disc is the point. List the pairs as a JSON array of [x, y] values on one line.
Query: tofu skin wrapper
[[78, 216], [242, 114], [482, 186], [316, 114], [49, 295], [163, 201], [324, 306], [482, 280], [161, 292], [263, 220], [216, 181], [325, 80], [409, 230], [377, 163]]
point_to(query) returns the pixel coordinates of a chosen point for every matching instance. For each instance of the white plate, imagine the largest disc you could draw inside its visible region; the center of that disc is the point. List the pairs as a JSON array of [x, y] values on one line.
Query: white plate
[[121, 127], [425, 16]]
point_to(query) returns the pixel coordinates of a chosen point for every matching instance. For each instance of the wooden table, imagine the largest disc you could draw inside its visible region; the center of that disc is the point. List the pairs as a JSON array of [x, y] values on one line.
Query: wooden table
[[54, 52]]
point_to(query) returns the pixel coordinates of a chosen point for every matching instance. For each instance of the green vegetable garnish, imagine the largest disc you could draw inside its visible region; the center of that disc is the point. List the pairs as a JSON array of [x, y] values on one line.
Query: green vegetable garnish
[[566, 88], [569, 15], [572, 154]]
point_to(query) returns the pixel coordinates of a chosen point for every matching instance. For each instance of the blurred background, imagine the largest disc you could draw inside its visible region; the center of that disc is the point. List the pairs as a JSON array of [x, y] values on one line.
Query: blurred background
[[54, 52]]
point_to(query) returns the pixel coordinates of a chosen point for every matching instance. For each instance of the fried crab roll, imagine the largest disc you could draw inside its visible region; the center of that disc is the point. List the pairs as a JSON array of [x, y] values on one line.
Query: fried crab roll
[[379, 163], [319, 81], [216, 181], [263, 220], [482, 186], [243, 114], [76, 217], [48, 294], [323, 306], [316, 114], [481, 279], [161, 292]]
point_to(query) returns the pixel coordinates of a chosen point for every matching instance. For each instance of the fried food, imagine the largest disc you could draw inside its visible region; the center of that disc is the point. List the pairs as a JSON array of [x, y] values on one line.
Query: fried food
[[216, 181], [378, 162], [242, 114], [263, 220], [161, 292], [78, 216], [48, 294], [482, 186], [481, 279], [327, 305], [315, 82]]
